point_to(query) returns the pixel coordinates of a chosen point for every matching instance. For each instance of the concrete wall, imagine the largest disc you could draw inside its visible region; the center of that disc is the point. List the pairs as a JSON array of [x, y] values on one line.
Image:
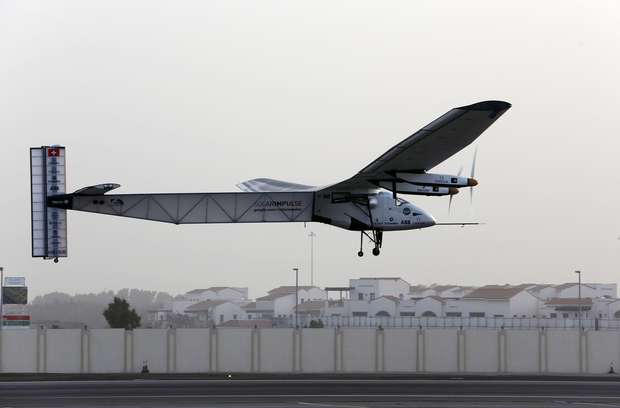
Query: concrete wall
[[192, 350], [310, 350], [63, 351], [318, 350], [522, 351], [481, 350], [106, 351], [440, 350], [19, 353], [399, 350]]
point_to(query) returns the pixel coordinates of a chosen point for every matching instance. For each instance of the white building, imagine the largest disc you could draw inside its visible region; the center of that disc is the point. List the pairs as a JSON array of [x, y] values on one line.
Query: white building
[[373, 288], [233, 294], [216, 311], [567, 308], [429, 306], [500, 301], [280, 302], [591, 290]]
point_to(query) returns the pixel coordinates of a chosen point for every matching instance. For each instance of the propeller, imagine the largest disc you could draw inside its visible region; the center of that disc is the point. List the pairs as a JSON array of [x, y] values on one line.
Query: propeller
[[472, 180], [452, 195]]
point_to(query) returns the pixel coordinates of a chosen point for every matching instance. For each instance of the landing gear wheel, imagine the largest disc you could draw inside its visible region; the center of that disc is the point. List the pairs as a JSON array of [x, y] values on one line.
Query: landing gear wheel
[[360, 254], [376, 251]]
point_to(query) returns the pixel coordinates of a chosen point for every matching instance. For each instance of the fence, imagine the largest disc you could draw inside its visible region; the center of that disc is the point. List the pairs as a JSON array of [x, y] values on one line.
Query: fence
[[451, 322], [473, 350]]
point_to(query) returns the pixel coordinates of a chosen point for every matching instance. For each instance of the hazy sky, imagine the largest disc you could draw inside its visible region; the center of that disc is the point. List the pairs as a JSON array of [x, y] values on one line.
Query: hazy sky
[[198, 96]]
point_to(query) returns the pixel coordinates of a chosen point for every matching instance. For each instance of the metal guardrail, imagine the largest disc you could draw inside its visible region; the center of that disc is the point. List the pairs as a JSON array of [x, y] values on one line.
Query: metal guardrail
[[451, 322]]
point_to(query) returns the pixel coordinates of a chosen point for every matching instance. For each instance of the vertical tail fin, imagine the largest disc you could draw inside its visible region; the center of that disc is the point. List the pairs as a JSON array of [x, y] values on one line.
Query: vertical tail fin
[[49, 225]]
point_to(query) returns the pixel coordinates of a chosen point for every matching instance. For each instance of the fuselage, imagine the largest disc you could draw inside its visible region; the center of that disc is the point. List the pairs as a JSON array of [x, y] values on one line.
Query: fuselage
[[381, 211]]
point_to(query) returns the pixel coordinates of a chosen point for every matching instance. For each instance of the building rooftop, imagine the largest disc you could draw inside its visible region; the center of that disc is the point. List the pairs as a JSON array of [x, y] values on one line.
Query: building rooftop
[[495, 292], [204, 305], [275, 295], [570, 285], [212, 288], [311, 306], [568, 301], [289, 289]]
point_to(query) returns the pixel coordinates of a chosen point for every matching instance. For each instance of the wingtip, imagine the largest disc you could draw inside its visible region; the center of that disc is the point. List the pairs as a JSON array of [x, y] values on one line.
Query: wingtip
[[495, 106]]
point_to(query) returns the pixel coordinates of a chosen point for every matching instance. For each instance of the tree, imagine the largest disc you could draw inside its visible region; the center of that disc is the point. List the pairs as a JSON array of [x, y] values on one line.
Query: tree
[[119, 316], [316, 324]]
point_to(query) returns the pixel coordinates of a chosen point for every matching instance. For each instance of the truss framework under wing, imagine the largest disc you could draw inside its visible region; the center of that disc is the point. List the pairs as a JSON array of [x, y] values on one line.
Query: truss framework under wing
[[196, 208]]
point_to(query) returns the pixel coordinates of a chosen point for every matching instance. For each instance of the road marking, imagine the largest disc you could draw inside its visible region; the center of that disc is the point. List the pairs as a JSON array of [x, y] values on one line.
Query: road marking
[[266, 396], [316, 404], [302, 381]]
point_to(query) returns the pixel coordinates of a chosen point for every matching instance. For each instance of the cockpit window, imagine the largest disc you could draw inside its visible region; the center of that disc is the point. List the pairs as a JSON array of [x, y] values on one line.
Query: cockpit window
[[400, 201]]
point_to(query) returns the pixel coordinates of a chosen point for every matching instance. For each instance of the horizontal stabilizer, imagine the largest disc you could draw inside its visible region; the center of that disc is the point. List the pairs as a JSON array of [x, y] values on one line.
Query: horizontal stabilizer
[[96, 190]]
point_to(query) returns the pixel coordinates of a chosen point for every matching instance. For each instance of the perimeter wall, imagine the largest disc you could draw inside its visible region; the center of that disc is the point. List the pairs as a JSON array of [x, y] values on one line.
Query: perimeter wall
[[310, 350]]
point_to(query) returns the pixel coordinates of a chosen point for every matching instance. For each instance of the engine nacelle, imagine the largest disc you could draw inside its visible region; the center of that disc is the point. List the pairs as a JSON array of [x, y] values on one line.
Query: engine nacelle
[[416, 189], [437, 180]]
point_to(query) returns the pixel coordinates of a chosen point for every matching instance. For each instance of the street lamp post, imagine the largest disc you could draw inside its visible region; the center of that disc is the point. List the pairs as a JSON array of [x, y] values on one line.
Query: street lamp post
[[579, 295], [312, 235], [296, 293]]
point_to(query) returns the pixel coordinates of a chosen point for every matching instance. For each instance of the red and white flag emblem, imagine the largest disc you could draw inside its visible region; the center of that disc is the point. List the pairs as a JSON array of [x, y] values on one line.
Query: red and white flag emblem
[[53, 152]]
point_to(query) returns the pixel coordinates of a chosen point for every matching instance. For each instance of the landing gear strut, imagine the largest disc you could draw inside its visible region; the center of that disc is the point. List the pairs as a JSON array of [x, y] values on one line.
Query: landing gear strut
[[375, 236]]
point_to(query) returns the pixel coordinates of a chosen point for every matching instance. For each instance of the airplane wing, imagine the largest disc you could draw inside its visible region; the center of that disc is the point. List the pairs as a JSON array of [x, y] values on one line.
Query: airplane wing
[[263, 185], [431, 145]]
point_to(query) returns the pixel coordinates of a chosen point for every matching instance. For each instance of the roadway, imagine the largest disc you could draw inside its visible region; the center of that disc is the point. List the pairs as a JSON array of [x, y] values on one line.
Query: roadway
[[321, 391]]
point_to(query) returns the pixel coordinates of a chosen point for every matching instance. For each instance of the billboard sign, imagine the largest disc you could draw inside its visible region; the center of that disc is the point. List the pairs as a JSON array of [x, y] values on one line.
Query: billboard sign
[[16, 320], [14, 295], [14, 281]]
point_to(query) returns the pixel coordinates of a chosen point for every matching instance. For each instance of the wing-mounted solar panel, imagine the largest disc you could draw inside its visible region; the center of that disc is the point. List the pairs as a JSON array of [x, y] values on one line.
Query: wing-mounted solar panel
[[47, 179]]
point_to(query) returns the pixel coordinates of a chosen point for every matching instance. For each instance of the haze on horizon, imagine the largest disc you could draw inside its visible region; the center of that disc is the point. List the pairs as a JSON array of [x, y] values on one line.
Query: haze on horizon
[[193, 96]]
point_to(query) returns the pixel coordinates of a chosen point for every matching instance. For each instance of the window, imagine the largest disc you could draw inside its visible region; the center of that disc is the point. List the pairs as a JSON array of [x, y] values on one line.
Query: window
[[360, 296], [498, 315], [476, 314], [428, 313], [234, 317], [565, 315], [408, 314], [382, 313], [372, 296], [553, 315], [360, 314], [221, 318], [617, 315], [453, 314]]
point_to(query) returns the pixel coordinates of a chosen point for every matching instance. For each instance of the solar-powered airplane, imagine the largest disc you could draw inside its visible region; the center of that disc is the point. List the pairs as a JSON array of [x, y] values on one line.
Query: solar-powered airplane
[[368, 202]]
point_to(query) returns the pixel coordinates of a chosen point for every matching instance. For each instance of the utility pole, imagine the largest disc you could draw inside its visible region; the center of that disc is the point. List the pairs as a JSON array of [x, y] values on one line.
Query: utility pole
[[296, 293], [579, 296], [312, 235]]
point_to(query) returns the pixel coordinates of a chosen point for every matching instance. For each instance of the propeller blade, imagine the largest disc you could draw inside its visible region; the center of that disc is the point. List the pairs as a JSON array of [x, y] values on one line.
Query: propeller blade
[[473, 163], [460, 171], [450, 205], [473, 172]]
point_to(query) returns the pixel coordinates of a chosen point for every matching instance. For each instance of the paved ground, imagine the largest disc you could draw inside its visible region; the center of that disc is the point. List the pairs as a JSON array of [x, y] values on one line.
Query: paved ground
[[327, 391]]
